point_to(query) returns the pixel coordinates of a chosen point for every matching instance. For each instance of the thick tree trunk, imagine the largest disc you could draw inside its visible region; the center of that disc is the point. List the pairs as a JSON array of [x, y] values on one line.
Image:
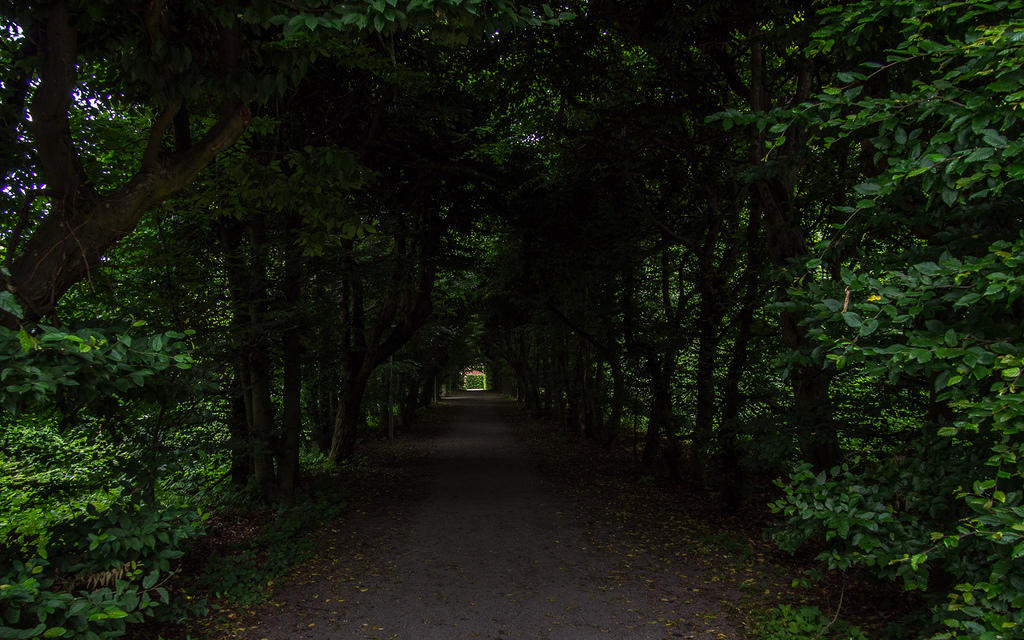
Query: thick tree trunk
[[393, 324], [410, 402], [349, 416], [814, 422]]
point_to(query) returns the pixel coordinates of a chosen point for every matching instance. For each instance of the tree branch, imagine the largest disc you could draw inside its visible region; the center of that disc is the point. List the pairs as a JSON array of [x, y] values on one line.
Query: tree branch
[[579, 331], [151, 156], [58, 75], [11, 245], [661, 226]]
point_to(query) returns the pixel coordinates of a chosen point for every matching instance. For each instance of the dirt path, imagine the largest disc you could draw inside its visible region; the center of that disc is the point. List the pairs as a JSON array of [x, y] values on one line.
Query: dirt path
[[485, 547]]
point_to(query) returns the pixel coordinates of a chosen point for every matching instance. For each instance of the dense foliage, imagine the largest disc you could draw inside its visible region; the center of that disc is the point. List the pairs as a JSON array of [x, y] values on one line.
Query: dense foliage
[[765, 241]]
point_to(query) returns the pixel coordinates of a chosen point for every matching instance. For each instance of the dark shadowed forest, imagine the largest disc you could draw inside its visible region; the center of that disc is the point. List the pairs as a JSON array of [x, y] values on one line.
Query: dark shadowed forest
[[760, 262]]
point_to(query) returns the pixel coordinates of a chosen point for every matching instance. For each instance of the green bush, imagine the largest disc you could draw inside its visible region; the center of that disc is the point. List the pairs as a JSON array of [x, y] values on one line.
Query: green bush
[[786, 622], [476, 381], [97, 573]]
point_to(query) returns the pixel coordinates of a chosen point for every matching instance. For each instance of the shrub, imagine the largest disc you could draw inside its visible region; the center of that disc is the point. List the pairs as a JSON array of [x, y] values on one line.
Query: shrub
[[786, 622], [97, 573]]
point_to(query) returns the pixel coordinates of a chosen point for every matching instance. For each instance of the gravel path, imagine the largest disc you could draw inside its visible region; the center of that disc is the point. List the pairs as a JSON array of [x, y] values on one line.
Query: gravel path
[[482, 548]]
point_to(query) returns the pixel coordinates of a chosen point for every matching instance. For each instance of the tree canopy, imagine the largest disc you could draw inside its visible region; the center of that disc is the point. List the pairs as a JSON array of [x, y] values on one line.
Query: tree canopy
[[770, 241]]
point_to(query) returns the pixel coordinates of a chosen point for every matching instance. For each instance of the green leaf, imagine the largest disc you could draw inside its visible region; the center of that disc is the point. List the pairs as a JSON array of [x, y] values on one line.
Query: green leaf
[[54, 632], [980, 154], [967, 299], [10, 632], [868, 327], [9, 304], [852, 319], [868, 188], [27, 341], [994, 138], [917, 559]]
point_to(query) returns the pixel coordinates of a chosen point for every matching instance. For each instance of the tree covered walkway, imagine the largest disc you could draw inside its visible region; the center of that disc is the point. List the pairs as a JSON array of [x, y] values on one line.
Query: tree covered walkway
[[771, 251], [495, 542]]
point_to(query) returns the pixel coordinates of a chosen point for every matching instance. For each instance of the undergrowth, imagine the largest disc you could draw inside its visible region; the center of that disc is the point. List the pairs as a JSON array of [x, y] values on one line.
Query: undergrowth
[[786, 622], [246, 574]]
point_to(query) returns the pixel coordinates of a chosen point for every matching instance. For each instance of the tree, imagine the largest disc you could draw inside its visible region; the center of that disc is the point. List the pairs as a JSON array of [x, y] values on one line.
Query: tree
[[187, 66], [935, 316], [86, 215]]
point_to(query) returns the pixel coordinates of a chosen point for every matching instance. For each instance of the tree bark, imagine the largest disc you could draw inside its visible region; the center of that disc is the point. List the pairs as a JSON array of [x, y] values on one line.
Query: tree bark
[[82, 224], [238, 428], [709, 313], [247, 289], [261, 426], [660, 368], [350, 414], [288, 461]]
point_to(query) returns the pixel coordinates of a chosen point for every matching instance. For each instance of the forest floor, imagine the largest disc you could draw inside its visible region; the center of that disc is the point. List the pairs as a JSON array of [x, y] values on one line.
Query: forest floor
[[483, 523]]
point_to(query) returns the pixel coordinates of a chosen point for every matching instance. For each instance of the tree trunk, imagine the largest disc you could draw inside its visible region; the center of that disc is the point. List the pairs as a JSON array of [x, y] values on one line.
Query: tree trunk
[[238, 428], [350, 415], [812, 411], [733, 480], [707, 347], [261, 428], [261, 408], [618, 399], [288, 462], [661, 410]]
